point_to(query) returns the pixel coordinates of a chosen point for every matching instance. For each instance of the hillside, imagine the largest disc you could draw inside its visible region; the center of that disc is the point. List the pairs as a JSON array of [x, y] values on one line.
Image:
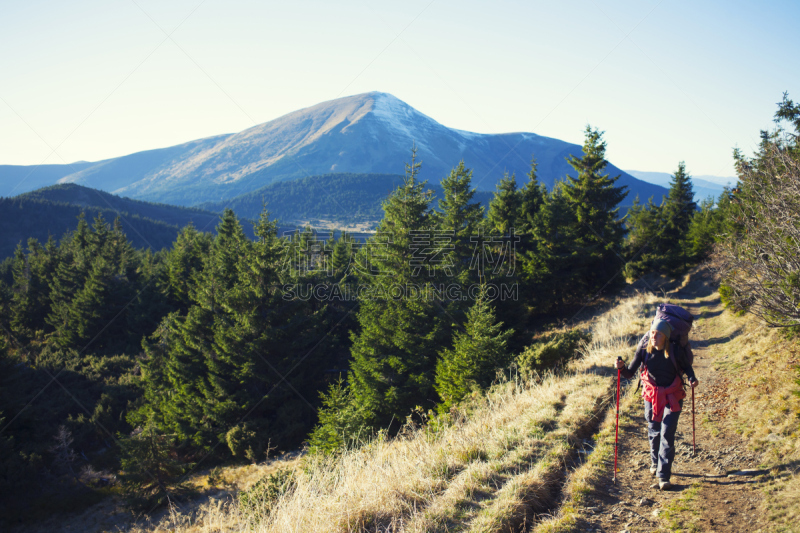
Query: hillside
[[17, 179], [370, 133], [73, 194], [346, 199], [538, 454], [54, 210]]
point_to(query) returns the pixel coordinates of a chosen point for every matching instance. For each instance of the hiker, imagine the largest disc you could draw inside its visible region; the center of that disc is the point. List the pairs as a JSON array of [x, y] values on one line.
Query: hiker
[[662, 390]]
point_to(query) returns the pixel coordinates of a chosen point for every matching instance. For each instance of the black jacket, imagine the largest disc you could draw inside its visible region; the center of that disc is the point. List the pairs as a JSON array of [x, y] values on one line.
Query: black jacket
[[660, 369]]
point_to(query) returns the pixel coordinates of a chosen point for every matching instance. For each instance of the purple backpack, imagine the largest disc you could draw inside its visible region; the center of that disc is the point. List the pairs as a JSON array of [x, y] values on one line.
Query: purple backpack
[[681, 321]]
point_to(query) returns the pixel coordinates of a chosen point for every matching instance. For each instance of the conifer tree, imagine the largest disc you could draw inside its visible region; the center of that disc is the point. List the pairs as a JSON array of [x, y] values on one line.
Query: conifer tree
[[707, 226], [532, 198], [644, 243], [548, 267], [459, 216], [238, 368], [32, 272], [150, 468], [93, 287], [679, 208], [476, 355], [531, 250], [341, 422], [658, 234], [184, 261], [342, 253], [394, 349], [594, 200], [505, 206]]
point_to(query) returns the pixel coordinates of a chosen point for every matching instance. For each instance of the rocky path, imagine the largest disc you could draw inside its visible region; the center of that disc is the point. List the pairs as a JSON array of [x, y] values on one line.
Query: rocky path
[[716, 487]]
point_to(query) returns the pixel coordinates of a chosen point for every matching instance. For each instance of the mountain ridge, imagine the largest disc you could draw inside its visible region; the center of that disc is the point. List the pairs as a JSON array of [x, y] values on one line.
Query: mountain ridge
[[370, 133], [54, 210]]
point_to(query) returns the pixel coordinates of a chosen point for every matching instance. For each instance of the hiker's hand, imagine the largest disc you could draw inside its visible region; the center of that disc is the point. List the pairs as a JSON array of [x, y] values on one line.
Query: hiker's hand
[[619, 363], [694, 383]]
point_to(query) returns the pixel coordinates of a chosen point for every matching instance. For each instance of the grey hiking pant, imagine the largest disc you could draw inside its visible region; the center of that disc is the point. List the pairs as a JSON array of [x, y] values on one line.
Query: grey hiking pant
[[662, 439]]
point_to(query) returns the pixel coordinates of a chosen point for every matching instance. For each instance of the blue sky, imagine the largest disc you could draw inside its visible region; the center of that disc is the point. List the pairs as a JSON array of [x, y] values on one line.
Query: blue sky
[[666, 81]]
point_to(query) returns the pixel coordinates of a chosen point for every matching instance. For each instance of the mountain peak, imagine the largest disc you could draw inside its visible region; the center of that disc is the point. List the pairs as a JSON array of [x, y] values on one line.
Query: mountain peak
[[367, 133]]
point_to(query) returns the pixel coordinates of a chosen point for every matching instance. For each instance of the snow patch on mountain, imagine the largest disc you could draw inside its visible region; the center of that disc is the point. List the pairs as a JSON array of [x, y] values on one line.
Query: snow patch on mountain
[[405, 120]]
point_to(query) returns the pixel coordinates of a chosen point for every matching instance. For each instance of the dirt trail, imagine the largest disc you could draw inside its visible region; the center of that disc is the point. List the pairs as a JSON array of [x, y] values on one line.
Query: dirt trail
[[716, 489]]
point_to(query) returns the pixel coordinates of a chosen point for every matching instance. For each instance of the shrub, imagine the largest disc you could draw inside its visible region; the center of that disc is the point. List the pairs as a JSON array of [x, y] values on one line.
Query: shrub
[[244, 442], [257, 501], [342, 423], [551, 351]]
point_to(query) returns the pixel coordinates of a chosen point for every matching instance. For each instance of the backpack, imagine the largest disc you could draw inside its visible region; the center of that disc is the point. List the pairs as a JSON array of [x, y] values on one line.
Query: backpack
[[681, 322]]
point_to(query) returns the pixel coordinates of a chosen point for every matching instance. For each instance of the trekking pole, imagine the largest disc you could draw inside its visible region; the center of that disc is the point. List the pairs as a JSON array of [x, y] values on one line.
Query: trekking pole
[[693, 443], [616, 429]]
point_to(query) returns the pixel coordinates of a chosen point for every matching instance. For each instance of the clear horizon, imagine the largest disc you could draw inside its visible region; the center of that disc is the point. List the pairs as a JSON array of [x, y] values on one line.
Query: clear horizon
[[667, 83]]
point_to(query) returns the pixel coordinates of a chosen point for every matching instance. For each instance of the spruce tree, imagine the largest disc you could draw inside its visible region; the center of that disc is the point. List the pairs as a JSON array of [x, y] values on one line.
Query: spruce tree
[[150, 468], [644, 244], [341, 421], [679, 209], [342, 254], [706, 226], [477, 353], [240, 366], [184, 261], [460, 217], [394, 349], [505, 206], [532, 250], [594, 200], [548, 268], [532, 198]]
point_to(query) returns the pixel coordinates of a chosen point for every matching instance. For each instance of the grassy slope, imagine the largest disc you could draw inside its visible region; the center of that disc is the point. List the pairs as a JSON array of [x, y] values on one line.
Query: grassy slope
[[494, 465], [758, 367], [753, 402], [509, 459]]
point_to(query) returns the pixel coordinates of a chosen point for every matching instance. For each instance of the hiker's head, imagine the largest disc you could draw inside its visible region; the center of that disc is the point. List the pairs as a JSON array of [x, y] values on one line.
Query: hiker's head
[[660, 331]]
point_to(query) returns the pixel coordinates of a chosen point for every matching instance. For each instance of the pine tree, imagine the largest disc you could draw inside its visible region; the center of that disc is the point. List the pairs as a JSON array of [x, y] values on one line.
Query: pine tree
[[644, 244], [532, 198], [459, 218], [477, 353], [594, 200], [505, 206], [551, 265], [341, 422], [679, 208], [184, 261], [150, 469], [342, 253], [394, 349]]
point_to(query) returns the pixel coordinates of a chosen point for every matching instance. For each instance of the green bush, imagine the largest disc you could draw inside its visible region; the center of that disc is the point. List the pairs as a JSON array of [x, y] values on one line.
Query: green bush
[[258, 500], [730, 300], [551, 351], [244, 442], [342, 422]]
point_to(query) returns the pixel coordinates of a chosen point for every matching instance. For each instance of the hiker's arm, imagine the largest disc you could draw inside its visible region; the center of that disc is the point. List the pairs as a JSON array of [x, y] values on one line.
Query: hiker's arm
[[687, 368], [630, 371]]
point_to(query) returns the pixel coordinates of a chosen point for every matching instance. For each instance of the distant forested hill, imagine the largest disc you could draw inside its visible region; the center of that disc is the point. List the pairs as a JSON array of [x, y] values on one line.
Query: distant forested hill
[[344, 198], [54, 210]]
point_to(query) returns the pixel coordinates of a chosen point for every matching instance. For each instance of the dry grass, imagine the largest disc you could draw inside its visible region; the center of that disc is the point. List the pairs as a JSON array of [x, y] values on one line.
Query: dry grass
[[760, 367], [489, 467]]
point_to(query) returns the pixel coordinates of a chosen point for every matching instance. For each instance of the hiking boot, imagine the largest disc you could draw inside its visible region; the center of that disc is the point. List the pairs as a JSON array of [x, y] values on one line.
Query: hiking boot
[[653, 469], [664, 485]]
